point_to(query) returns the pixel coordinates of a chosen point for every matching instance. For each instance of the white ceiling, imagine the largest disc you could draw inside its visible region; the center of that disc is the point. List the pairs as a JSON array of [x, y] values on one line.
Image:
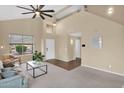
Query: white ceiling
[[8, 12], [101, 10]]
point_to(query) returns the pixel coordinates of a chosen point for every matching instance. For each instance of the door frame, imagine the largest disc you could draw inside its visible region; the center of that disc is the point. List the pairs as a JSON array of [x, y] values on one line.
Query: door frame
[[79, 47]]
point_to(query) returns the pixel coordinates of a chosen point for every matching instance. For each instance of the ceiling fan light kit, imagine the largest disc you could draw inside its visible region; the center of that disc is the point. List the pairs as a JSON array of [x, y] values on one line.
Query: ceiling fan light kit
[[37, 11]]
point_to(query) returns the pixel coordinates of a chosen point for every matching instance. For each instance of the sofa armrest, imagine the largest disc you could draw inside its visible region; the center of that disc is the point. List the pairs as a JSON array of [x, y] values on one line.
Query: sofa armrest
[[24, 82]]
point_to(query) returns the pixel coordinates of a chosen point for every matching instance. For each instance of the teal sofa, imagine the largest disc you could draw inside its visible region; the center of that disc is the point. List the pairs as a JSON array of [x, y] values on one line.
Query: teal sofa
[[16, 81]]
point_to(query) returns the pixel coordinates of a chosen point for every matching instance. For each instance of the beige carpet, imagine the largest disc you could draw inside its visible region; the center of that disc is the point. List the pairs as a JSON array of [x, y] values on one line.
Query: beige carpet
[[81, 77]]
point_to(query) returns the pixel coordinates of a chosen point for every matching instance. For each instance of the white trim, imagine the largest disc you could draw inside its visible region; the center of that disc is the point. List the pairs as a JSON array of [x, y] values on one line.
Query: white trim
[[104, 70]]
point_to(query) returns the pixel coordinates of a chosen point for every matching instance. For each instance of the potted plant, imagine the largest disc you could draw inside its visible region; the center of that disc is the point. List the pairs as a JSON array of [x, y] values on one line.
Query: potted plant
[[37, 56]]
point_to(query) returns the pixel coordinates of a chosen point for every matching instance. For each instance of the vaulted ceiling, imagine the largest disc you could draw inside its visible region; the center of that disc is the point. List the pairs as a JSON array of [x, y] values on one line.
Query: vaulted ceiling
[[8, 12], [117, 14]]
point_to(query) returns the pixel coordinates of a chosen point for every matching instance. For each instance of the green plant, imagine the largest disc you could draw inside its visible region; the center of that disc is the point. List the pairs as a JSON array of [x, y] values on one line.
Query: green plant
[[21, 48], [37, 56]]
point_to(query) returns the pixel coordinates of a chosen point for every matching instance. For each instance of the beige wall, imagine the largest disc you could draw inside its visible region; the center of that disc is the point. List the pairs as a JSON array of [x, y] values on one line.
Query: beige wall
[[112, 34], [21, 26], [71, 47], [61, 43]]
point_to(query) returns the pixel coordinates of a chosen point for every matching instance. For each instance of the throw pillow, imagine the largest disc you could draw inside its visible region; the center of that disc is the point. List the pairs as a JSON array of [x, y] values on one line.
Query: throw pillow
[[8, 65]]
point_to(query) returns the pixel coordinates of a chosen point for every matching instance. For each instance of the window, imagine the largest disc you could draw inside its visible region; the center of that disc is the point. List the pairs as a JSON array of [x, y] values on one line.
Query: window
[[21, 44], [96, 40]]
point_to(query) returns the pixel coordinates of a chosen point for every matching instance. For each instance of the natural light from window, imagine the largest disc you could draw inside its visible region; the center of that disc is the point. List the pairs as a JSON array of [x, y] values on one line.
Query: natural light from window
[[21, 44]]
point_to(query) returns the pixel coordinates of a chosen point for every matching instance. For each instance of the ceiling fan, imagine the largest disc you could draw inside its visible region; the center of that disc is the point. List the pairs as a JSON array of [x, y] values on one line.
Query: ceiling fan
[[37, 10]]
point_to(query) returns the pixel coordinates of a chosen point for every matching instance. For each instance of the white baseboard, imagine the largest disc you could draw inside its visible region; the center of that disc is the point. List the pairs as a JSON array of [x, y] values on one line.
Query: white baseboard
[[104, 70]]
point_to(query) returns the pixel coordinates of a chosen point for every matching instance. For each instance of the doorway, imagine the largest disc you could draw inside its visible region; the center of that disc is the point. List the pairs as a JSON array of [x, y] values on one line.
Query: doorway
[[50, 48]]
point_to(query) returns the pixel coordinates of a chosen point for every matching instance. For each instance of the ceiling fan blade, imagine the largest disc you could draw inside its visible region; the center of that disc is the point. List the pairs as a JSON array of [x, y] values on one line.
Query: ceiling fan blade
[[46, 14], [34, 16], [42, 17], [24, 8], [27, 12], [47, 11], [40, 7], [32, 7]]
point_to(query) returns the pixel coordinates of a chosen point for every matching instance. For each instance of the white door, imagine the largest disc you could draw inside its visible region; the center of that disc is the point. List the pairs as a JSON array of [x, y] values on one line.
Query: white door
[[77, 48], [50, 49]]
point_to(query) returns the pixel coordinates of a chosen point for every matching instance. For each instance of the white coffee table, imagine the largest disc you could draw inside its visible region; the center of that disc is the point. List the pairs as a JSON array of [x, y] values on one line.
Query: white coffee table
[[35, 65]]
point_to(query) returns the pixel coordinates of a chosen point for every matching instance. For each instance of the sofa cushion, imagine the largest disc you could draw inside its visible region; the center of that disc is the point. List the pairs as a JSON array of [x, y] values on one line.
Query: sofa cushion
[[7, 69], [8, 74]]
